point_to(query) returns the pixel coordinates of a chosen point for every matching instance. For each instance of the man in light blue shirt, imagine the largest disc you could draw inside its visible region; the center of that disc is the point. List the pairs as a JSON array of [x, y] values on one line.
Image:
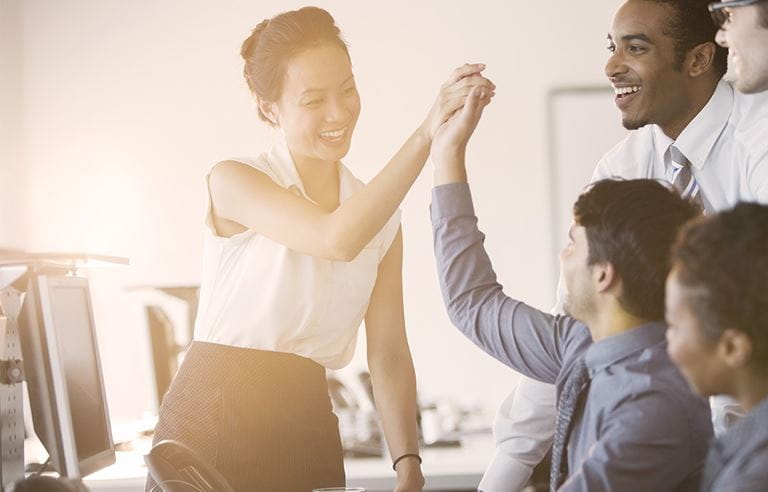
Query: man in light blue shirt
[[626, 418]]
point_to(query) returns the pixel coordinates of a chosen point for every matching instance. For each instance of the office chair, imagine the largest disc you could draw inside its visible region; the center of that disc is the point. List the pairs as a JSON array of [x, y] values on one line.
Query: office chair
[[47, 484], [176, 468]]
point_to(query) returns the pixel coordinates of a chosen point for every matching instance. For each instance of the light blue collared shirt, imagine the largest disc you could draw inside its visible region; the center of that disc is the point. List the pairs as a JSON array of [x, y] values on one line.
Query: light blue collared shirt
[[639, 428], [739, 459]]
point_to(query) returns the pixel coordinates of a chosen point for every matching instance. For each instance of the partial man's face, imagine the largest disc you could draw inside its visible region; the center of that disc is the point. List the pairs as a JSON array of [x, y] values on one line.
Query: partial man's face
[[580, 294], [746, 37], [642, 68], [690, 349]]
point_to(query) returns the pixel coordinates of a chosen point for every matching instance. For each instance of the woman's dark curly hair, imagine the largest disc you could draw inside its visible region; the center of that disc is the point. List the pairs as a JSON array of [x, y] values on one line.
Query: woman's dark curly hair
[[723, 260]]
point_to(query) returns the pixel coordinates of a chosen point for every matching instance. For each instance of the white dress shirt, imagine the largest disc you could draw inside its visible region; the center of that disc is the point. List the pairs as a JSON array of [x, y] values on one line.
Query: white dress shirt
[[258, 293], [727, 145]]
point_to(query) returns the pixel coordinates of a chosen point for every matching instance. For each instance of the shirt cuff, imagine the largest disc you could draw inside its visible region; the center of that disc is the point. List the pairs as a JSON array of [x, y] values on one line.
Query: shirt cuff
[[504, 474], [451, 200]]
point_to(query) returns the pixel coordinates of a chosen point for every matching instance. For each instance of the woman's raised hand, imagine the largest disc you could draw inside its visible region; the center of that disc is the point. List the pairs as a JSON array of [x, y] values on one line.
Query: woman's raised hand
[[453, 95]]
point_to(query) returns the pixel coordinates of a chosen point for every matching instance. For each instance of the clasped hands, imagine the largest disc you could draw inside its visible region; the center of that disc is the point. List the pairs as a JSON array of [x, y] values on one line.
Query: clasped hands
[[457, 110]]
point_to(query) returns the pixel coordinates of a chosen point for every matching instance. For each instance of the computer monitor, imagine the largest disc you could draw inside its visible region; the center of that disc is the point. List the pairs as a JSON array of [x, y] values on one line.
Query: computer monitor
[[63, 374]]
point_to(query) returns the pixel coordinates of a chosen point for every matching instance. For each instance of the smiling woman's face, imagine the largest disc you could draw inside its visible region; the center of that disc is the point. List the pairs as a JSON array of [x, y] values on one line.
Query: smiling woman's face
[[319, 105]]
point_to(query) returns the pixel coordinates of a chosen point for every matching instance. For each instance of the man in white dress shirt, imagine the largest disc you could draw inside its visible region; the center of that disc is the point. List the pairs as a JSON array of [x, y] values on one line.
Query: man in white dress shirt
[[666, 71], [744, 31]]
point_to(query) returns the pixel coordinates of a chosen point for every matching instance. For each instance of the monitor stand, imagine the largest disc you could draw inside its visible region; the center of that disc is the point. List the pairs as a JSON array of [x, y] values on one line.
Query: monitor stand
[[11, 398]]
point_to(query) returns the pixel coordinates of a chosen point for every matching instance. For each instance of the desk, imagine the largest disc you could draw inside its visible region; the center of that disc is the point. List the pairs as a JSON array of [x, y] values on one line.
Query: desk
[[458, 468]]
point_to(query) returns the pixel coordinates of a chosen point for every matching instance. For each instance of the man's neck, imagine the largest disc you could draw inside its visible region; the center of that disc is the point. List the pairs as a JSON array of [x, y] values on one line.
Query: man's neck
[[613, 321], [699, 97]]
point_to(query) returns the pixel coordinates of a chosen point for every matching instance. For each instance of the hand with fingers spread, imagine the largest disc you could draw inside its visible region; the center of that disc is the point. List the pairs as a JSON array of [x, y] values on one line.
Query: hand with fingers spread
[[453, 95]]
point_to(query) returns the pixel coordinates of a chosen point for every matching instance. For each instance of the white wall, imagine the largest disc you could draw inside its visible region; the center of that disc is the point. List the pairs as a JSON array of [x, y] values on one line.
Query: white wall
[[126, 104], [12, 171]]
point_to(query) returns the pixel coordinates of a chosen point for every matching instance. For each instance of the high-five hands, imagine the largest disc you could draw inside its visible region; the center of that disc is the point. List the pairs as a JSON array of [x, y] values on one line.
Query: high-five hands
[[454, 95], [449, 143], [453, 135]]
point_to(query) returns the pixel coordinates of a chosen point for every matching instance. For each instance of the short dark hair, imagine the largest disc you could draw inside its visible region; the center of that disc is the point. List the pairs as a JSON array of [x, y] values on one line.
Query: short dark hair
[[632, 225], [723, 259], [691, 25], [274, 41]]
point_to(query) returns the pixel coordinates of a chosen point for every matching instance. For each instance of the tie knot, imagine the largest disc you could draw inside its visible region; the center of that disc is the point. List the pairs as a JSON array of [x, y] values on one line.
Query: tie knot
[[683, 180], [678, 159]]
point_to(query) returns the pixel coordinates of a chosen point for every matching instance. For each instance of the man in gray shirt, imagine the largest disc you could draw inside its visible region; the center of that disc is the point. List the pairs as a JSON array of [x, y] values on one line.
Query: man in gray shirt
[[626, 419], [635, 424]]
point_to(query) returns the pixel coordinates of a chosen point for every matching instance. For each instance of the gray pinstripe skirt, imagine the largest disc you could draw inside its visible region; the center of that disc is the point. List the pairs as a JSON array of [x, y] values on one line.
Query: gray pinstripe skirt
[[263, 419]]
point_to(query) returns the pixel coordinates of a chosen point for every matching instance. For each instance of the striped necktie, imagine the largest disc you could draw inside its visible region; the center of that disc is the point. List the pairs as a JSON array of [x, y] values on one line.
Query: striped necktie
[[568, 401], [682, 178]]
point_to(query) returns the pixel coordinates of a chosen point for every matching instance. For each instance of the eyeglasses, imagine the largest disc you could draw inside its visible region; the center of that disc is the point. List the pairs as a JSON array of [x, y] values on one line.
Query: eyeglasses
[[720, 16]]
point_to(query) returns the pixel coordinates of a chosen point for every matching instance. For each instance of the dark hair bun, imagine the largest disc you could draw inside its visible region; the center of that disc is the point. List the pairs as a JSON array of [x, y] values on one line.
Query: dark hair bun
[[273, 42], [252, 41]]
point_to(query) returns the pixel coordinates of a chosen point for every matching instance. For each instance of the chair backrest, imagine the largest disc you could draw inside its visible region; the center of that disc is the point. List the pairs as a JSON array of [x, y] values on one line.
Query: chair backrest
[[177, 468], [47, 484]]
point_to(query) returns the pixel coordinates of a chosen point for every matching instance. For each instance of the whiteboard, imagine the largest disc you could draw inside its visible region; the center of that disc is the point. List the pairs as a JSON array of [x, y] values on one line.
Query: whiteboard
[[583, 124]]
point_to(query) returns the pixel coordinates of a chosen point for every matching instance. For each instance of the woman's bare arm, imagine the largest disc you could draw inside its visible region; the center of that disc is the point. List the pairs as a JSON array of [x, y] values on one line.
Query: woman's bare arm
[[391, 367], [249, 197]]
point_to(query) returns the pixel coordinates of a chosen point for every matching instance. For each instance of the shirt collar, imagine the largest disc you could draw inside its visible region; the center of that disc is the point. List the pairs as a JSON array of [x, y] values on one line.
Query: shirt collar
[[283, 165], [611, 350], [661, 143], [749, 431], [697, 139]]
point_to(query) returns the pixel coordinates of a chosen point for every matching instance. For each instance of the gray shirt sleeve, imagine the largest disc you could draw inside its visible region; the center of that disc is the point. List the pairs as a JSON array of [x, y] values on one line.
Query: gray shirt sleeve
[[530, 341]]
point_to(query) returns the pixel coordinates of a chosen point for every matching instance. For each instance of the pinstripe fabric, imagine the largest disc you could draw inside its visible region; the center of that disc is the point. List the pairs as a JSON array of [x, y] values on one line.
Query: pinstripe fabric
[[263, 419]]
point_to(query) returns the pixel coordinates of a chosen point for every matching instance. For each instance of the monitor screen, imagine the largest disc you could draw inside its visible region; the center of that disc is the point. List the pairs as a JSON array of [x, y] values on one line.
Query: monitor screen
[[64, 377]]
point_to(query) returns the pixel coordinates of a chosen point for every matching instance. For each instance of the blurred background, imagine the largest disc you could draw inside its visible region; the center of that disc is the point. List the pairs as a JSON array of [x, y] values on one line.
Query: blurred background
[[112, 111]]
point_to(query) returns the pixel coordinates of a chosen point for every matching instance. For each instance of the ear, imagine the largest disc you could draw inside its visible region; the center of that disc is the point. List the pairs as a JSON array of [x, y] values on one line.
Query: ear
[[604, 276], [735, 348], [269, 109], [700, 59]]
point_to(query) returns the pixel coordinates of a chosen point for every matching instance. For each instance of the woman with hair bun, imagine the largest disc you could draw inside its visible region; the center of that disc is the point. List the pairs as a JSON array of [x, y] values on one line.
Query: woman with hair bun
[[297, 253]]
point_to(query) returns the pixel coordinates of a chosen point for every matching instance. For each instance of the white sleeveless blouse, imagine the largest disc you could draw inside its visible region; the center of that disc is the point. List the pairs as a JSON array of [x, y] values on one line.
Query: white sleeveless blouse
[[257, 293]]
